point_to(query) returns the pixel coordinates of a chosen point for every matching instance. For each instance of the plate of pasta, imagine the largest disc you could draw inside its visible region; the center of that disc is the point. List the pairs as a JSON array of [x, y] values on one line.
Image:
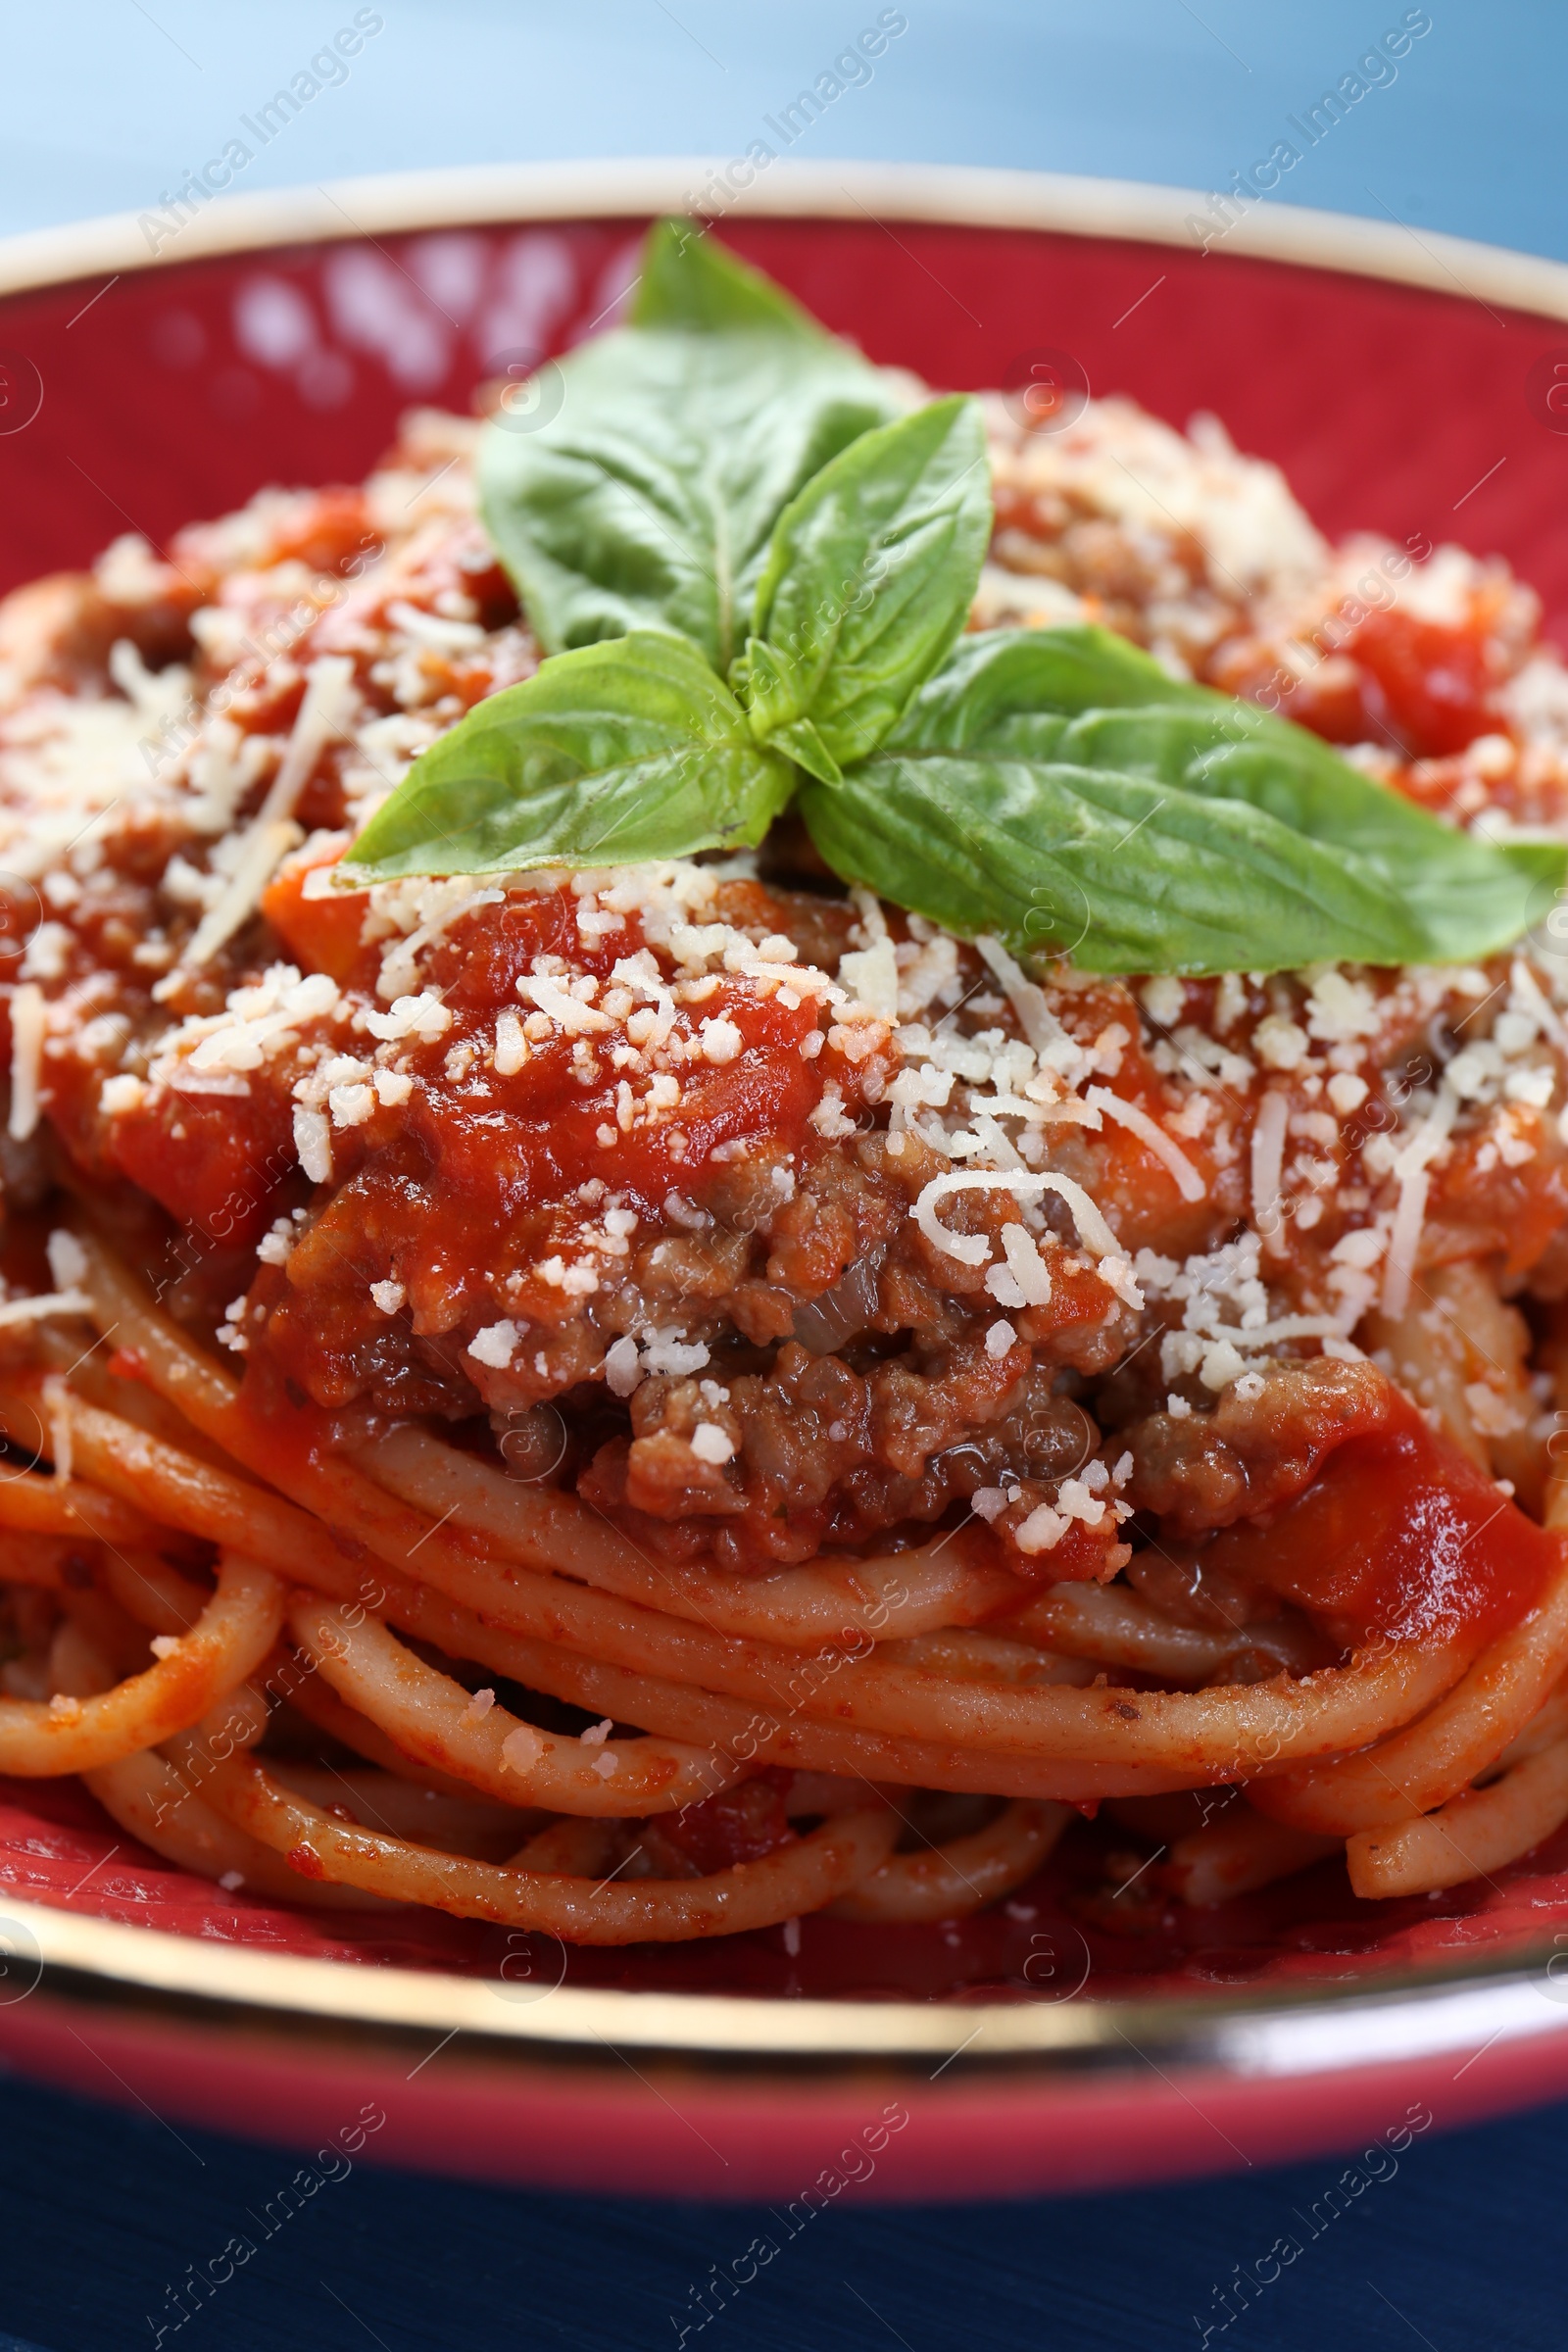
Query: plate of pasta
[[785, 1180]]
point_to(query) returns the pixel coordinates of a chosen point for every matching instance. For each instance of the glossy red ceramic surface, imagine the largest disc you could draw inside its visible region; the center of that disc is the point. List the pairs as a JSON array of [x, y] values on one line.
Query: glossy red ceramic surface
[[181, 390], [634, 2126], [172, 394]]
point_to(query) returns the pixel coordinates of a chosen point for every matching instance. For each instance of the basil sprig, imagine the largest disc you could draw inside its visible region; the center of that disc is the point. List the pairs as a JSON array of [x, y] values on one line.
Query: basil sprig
[[612, 754], [1309, 854], [869, 577], [752, 573], [646, 499]]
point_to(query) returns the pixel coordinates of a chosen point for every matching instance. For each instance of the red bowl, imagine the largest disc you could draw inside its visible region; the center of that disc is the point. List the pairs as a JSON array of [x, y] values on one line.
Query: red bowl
[[1404, 385]]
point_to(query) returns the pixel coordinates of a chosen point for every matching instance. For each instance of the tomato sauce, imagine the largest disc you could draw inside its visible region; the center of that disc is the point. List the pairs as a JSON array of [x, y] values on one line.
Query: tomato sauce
[[532, 1137], [1400, 1536], [1418, 687], [474, 1173], [740, 1825], [1432, 682], [214, 1162], [1480, 1204], [321, 934]]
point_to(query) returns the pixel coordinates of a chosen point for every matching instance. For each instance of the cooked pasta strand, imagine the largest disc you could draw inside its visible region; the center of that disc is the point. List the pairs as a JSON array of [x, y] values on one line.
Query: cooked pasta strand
[[434, 1720], [50, 1506], [1468, 1837], [1443, 1751], [147, 1795], [1237, 1853], [1217, 1734], [800, 1877], [962, 1874], [233, 1634]]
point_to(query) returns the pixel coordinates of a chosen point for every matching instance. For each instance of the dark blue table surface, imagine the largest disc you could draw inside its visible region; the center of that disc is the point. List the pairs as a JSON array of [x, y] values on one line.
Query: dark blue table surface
[[1461, 2249], [1457, 2245]]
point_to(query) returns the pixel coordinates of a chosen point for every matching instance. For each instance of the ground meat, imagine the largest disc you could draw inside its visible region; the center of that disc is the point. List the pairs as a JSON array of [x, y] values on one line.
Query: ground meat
[[819, 1451], [740, 1825], [1251, 1454], [681, 1208], [58, 631]]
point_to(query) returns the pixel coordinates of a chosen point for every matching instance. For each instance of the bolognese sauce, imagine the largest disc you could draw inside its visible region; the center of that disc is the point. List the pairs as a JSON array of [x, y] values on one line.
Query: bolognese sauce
[[705, 1365]]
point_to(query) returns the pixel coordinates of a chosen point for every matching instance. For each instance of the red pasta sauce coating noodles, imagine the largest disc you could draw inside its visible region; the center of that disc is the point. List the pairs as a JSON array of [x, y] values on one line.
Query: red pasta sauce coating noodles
[[739, 1824], [1400, 1536]]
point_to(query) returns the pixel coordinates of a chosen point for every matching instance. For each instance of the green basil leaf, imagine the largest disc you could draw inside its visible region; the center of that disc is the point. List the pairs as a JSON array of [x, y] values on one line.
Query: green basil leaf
[[688, 279], [1084, 697], [1123, 873], [1541, 862], [765, 685], [1470, 899], [615, 752], [645, 495], [999, 685], [869, 579]]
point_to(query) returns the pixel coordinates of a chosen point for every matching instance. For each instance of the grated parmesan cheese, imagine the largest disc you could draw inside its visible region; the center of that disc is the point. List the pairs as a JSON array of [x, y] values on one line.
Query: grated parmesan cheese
[[1036, 1019], [29, 1015], [512, 1047], [973, 1248], [43, 1305], [326, 712], [1149, 1131], [1268, 1162], [1411, 1174], [313, 1140], [496, 1344]]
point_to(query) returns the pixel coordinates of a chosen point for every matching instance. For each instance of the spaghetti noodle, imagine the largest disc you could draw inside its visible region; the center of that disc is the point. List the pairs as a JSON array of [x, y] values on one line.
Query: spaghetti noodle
[[705, 1397]]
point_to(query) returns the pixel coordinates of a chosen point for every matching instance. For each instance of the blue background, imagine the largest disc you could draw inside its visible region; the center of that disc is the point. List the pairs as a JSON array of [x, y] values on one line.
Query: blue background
[[108, 102], [104, 105]]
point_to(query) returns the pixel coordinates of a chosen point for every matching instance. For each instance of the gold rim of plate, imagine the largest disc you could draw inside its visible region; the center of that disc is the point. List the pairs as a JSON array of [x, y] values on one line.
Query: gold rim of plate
[[396, 203], [1272, 2034]]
